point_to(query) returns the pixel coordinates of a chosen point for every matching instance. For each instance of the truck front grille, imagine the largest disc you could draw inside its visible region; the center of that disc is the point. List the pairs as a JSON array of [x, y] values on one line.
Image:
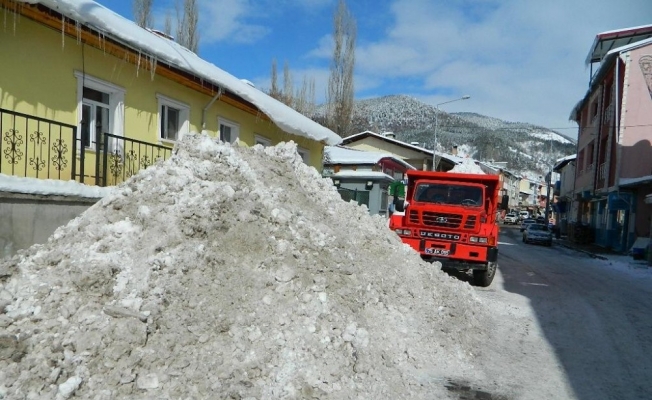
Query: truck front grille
[[443, 220], [440, 219], [470, 222]]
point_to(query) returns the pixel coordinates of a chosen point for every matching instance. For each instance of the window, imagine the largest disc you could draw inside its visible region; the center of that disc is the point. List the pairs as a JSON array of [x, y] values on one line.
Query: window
[[304, 154], [172, 118], [229, 130], [100, 108], [261, 140]]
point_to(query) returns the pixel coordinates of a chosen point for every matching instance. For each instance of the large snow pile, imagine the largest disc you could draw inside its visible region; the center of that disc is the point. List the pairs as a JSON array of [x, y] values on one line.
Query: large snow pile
[[231, 272], [468, 166]]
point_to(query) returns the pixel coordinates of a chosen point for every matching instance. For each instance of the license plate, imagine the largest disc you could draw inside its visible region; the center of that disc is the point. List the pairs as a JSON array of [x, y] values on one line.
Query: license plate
[[438, 252]]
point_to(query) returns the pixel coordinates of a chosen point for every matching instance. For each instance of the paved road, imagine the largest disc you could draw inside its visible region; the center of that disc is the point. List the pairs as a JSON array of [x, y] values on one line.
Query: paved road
[[584, 326]]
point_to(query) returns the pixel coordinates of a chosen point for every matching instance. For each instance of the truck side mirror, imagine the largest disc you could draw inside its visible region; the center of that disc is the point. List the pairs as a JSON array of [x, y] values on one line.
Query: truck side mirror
[[400, 206]]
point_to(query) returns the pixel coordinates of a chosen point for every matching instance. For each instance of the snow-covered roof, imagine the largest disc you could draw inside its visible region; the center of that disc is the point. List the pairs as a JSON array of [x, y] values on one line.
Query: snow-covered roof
[[361, 175], [51, 187], [344, 155], [357, 136], [158, 48], [561, 163], [468, 166]]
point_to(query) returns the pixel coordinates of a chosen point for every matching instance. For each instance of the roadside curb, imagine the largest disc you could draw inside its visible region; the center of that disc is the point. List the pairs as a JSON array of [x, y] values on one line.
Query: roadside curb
[[591, 254]]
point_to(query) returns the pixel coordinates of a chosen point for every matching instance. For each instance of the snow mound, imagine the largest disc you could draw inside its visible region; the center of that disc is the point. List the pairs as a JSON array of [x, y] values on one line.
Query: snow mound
[[468, 166], [229, 272]]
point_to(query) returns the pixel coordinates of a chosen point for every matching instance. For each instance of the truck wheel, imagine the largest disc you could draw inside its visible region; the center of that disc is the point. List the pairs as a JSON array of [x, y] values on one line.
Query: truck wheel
[[483, 278]]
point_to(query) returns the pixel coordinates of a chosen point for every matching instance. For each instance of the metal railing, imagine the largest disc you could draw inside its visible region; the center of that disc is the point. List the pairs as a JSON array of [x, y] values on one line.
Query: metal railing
[[119, 158], [602, 171], [33, 147]]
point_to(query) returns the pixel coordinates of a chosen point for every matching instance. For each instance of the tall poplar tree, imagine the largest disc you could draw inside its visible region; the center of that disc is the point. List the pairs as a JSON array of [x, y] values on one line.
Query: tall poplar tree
[[339, 99]]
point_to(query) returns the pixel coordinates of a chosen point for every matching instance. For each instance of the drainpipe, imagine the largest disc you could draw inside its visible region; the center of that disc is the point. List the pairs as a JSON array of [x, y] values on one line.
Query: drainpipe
[[210, 103]]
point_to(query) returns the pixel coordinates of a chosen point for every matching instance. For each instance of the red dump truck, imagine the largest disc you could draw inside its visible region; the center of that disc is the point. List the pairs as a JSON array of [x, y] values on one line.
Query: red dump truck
[[451, 217]]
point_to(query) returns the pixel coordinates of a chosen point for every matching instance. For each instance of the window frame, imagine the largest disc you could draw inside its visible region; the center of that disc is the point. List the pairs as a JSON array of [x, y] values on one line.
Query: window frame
[[116, 106], [184, 117], [235, 127], [305, 156], [262, 140]]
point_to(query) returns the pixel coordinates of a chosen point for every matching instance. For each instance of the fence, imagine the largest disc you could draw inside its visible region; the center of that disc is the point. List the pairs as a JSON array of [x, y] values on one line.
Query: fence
[[34, 147]]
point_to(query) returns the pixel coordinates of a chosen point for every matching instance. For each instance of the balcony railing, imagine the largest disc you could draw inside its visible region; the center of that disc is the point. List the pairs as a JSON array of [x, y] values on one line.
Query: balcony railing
[[602, 171], [32, 147], [118, 158]]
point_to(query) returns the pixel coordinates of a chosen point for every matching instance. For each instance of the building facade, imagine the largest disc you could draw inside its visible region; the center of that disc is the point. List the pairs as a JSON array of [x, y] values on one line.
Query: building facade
[[114, 97], [614, 153]]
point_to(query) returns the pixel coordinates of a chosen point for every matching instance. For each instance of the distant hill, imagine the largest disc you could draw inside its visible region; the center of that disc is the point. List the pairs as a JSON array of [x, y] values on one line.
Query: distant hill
[[528, 149]]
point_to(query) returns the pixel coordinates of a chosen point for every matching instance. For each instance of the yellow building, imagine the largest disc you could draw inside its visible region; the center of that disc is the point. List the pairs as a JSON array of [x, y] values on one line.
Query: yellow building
[[86, 94]]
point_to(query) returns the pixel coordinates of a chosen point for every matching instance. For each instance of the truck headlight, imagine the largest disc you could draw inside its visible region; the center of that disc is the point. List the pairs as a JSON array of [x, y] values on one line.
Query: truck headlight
[[475, 239], [403, 232]]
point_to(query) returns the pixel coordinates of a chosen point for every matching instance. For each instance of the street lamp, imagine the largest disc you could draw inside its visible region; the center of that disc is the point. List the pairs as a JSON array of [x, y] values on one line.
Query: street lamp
[[434, 151]]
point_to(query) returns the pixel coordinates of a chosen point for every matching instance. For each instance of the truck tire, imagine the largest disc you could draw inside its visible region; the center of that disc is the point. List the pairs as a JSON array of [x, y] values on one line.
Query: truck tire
[[483, 278]]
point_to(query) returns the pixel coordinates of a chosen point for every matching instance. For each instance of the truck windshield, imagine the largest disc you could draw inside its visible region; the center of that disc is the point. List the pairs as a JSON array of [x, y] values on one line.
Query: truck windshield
[[441, 193]]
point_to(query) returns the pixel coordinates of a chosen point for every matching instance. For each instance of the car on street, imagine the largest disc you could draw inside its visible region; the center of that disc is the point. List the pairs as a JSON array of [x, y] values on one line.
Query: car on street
[[537, 233], [523, 215], [526, 222], [511, 218]]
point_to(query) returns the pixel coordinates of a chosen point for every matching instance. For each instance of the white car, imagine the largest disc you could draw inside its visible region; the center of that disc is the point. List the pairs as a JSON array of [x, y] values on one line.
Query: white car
[[511, 218], [523, 215]]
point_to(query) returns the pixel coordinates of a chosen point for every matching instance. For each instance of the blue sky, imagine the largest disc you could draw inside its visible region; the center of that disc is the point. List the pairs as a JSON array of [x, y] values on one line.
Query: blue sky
[[519, 60]]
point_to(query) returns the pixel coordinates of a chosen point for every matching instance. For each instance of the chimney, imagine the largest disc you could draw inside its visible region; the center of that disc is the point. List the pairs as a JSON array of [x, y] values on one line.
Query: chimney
[[454, 152]]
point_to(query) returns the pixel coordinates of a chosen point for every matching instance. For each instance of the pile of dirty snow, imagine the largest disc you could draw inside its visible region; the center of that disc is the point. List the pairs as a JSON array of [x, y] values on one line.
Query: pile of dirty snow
[[231, 272]]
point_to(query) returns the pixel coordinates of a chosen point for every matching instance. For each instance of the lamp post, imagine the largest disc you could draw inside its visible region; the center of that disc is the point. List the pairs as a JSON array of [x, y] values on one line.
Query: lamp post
[[434, 151]]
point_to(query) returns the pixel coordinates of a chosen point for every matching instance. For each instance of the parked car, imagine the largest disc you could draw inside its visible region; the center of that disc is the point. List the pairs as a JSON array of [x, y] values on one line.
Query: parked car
[[537, 233], [511, 219], [523, 215], [527, 222]]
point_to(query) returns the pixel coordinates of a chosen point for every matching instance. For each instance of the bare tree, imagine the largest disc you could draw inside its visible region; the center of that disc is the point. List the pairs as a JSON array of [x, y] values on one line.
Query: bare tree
[[288, 90], [187, 23], [167, 28], [304, 99], [274, 91], [143, 13], [339, 99]]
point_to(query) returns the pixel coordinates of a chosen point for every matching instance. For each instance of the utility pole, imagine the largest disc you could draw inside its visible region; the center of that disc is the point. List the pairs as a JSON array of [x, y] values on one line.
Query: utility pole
[[434, 151], [549, 180]]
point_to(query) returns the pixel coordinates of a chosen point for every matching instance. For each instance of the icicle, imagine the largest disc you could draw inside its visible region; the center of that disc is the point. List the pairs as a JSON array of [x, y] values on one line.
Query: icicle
[[78, 28], [63, 32], [15, 10], [138, 63], [152, 68]]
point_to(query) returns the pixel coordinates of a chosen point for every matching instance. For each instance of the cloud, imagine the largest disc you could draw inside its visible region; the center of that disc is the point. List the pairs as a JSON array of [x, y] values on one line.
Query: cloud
[[519, 60]]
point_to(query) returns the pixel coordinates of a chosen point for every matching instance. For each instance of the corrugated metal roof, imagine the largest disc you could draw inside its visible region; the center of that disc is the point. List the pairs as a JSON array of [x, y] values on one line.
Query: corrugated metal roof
[[606, 41]]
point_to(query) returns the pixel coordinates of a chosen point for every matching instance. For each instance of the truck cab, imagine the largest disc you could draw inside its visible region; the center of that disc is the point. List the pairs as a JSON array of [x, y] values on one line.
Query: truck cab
[[451, 218]]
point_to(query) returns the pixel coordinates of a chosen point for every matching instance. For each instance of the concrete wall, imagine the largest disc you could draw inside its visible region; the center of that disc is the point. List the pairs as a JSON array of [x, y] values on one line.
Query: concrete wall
[[30, 219]]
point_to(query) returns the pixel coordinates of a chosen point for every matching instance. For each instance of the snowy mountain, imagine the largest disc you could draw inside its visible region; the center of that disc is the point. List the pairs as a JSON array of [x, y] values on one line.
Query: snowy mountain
[[528, 149]]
